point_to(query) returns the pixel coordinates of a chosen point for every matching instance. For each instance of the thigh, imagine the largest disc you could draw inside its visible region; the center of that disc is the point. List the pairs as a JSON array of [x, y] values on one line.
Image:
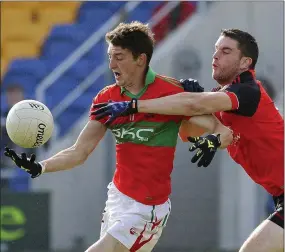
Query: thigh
[[140, 227], [267, 237], [136, 233], [107, 243]]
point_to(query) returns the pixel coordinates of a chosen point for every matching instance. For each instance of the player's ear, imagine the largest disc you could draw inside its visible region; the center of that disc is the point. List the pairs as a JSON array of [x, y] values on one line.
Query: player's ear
[[245, 62], [141, 60]]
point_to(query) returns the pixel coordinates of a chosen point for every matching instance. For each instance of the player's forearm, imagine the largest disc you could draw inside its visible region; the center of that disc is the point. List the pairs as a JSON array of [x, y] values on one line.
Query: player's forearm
[[186, 103], [226, 135], [64, 160], [212, 125], [169, 105]]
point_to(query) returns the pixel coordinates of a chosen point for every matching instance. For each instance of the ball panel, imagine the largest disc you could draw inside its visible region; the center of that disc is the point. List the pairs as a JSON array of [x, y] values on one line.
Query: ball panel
[[34, 105], [31, 134], [20, 136], [12, 124], [33, 114]]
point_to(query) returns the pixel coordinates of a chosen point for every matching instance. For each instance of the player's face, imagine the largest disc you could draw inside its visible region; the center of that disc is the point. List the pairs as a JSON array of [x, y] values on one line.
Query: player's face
[[227, 60], [124, 66]]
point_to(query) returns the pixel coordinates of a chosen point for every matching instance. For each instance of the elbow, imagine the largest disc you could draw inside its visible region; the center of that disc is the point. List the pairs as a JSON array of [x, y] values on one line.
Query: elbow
[[80, 154], [82, 160], [83, 157]]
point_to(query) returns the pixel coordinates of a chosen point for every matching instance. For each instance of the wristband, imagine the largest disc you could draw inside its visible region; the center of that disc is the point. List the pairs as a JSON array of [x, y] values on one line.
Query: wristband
[[43, 167]]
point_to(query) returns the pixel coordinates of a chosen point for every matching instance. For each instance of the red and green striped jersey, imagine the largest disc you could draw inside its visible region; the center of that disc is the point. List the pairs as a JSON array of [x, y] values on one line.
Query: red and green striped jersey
[[145, 143]]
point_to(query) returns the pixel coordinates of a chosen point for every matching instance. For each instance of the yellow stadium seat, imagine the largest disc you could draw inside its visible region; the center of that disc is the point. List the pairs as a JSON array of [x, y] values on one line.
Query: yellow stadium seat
[[52, 16], [14, 31], [19, 4], [19, 49], [15, 15], [71, 5], [3, 66]]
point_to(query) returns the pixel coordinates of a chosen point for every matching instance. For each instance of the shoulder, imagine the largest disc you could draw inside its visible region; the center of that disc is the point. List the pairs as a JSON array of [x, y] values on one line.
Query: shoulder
[[247, 96], [108, 89], [169, 82], [249, 88], [106, 93], [245, 84]]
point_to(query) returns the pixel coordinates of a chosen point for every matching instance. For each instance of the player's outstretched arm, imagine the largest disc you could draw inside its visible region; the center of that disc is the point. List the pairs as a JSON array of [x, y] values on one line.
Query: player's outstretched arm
[[66, 159], [187, 104], [243, 99]]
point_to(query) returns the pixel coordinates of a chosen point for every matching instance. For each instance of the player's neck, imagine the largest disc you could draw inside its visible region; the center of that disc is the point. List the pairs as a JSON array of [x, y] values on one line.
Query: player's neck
[[224, 83], [136, 88], [231, 80], [138, 83]]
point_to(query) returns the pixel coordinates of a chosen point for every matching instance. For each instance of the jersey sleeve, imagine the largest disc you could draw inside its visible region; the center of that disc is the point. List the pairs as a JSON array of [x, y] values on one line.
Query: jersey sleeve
[[101, 97], [245, 98]]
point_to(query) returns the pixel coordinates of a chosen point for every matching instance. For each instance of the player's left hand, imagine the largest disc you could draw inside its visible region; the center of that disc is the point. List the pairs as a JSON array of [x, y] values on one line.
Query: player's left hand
[[191, 85], [207, 147], [114, 110], [27, 164]]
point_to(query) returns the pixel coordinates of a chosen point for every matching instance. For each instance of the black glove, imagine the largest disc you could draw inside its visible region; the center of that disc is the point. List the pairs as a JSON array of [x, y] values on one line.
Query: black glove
[[115, 109], [27, 164], [191, 85], [207, 147]]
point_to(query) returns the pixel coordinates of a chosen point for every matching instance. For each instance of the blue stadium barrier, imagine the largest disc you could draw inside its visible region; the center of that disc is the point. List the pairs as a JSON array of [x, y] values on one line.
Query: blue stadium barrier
[[111, 5], [94, 18]]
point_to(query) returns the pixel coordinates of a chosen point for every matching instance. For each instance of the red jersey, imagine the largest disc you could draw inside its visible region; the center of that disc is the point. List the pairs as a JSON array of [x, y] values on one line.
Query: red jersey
[[258, 130], [145, 143]]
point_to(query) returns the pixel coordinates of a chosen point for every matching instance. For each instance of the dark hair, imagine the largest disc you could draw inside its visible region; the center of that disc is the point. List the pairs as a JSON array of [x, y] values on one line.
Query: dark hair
[[246, 43], [135, 36]]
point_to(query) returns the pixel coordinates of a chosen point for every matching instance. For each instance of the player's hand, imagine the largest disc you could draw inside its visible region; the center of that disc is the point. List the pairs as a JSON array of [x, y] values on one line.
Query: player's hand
[[191, 85], [207, 147], [114, 110], [27, 164]]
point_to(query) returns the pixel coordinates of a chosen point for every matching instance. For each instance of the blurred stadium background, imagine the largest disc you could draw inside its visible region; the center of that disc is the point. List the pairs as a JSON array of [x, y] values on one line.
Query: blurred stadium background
[[55, 52]]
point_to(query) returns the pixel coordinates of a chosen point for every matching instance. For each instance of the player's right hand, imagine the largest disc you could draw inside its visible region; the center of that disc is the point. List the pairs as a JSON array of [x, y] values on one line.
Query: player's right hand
[[191, 85], [114, 109], [27, 164]]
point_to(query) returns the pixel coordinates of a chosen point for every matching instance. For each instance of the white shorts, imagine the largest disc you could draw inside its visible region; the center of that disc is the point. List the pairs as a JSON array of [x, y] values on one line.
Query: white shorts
[[137, 226]]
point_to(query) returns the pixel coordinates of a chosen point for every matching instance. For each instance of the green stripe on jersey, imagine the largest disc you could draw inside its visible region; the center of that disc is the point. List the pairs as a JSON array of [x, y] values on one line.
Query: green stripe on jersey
[[147, 133]]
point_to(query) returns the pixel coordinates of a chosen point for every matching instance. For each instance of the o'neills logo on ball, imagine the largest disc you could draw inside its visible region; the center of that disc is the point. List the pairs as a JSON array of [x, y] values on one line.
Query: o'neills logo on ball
[[40, 135]]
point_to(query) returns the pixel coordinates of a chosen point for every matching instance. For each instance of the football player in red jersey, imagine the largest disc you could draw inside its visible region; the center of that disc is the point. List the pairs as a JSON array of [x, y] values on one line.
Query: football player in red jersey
[[138, 204], [241, 103]]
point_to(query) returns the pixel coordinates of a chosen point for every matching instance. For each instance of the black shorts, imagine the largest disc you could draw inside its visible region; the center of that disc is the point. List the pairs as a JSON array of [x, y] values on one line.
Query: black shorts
[[278, 216]]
